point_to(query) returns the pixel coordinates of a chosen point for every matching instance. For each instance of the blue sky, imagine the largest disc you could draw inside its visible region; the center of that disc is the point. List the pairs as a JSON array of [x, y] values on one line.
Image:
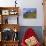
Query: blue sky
[[29, 9]]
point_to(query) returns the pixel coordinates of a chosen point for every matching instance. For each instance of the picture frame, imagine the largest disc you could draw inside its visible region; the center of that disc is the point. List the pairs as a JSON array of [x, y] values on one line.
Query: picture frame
[[5, 12], [29, 13], [12, 12]]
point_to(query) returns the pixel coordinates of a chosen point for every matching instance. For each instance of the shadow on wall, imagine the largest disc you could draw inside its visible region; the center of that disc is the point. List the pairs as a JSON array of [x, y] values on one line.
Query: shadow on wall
[[37, 29]]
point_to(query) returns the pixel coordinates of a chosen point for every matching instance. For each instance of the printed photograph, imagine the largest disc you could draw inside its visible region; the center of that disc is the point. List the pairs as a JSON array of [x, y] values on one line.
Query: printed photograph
[[29, 12]]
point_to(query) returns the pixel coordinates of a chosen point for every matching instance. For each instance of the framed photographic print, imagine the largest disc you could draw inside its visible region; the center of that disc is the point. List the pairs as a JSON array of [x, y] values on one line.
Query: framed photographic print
[[5, 12], [29, 12]]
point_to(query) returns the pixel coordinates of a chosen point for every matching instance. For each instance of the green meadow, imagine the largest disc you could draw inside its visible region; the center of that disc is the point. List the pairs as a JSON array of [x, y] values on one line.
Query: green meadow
[[30, 15]]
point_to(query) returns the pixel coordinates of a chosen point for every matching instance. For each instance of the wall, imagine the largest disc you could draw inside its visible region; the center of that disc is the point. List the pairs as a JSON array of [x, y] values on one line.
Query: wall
[[6, 3], [32, 4], [37, 29], [27, 4]]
